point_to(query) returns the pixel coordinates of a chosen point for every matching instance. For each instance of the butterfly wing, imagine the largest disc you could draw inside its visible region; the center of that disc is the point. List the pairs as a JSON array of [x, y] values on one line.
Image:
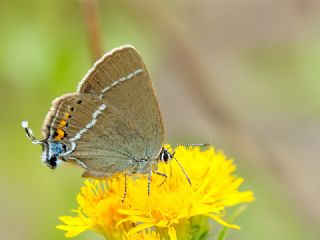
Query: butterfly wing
[[115, 118], [122, 81]]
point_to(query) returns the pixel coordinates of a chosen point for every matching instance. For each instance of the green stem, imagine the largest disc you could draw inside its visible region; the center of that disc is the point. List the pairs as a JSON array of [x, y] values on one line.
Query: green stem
[[223, 233]]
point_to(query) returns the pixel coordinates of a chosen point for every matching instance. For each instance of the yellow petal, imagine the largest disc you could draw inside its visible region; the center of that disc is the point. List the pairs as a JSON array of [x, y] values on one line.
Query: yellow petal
[[71, 220], [222, 222], [172, 233], [72, 231]]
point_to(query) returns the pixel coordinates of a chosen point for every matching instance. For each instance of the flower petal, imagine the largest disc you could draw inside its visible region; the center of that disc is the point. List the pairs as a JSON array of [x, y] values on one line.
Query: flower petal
[[222, 222], [72, 231], [172, 233]]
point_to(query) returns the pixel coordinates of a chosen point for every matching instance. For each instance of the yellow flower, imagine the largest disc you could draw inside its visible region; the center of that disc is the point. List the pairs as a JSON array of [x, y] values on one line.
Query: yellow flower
[[170, 207], [142, 235]]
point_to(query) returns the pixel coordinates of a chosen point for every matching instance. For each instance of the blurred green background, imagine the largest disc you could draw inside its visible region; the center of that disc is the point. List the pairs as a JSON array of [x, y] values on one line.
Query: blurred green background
[[244, 75]]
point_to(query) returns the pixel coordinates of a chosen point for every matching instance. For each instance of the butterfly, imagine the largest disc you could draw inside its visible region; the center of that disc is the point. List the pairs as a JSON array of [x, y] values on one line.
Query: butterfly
[[111, 125]]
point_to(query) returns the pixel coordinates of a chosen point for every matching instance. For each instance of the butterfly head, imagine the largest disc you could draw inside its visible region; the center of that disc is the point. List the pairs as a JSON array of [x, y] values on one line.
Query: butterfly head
[[165, 156], [52, 151]]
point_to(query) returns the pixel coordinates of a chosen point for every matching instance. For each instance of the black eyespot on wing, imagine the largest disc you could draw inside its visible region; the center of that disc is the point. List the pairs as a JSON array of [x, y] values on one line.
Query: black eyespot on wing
[[64, 147], [53, 162], [79, 101], [71, 109], [55, 133]]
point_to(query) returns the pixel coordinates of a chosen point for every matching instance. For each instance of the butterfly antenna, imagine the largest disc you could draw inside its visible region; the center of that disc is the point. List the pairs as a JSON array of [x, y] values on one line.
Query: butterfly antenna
[[29, 133], [184, 172], [191, 145]]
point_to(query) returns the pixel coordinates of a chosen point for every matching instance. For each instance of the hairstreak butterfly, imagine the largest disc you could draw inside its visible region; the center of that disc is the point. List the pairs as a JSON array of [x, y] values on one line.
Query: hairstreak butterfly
[[111, 125]]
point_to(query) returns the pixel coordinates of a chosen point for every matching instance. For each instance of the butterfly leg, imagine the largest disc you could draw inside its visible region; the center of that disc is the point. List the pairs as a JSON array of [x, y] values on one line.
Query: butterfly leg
[[125, 188], [163, 175], [149, 181]]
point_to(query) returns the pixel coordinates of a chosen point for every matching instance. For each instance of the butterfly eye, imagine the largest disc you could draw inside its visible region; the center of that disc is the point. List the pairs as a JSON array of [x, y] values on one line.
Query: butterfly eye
[[165, 156]]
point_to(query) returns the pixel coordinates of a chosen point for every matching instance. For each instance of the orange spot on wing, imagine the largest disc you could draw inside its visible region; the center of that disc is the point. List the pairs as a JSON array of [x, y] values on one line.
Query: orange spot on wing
[[62, 123], [59, 132]]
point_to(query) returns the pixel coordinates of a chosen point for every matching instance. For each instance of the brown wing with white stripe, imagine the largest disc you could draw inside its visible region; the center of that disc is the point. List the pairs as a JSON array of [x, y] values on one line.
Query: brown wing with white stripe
[[121, 80], [68, 115], [94, 135], [118, 65], [114, 119]]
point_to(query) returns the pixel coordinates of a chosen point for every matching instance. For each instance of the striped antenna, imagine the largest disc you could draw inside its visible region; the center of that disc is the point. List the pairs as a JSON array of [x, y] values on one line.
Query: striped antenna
[[184, 172], [186, 145], [190, 145]]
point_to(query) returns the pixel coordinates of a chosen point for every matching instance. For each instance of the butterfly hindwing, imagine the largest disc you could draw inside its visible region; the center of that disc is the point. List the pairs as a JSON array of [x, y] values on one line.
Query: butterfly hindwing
[[68, 115], [78, 120]]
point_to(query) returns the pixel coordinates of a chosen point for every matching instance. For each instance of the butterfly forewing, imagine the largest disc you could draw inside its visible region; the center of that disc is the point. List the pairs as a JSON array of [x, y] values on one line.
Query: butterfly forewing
[[113, 66], [123, 83]]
